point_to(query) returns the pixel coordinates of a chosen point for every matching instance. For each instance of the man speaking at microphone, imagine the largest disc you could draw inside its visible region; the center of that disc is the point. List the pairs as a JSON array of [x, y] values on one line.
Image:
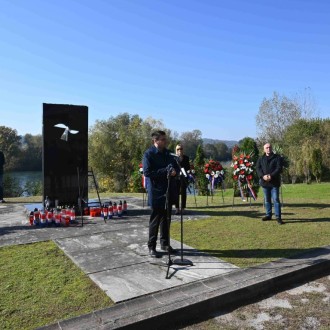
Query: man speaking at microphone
[[160, 170]]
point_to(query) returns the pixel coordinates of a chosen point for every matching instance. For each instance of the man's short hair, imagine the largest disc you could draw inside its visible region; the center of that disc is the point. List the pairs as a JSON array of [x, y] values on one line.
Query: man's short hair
[[157, 134]]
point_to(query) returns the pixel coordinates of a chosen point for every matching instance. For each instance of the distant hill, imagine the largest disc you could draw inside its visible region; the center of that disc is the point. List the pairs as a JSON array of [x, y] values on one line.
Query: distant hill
[[229, 143]]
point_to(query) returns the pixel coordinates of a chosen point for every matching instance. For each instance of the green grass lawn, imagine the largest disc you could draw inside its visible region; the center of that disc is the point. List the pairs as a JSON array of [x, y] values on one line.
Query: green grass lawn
[[40, 285], [237, 234]]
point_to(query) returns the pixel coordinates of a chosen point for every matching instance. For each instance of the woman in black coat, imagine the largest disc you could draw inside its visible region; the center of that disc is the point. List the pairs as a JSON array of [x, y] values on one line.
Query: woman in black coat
[[182, 183]]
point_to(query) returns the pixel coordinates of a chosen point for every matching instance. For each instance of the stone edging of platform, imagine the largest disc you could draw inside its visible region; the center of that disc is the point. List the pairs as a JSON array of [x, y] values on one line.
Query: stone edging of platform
[[200, 300]]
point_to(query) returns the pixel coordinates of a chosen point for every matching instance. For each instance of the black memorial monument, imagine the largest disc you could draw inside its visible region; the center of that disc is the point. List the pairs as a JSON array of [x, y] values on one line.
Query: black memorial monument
[[65, 153]]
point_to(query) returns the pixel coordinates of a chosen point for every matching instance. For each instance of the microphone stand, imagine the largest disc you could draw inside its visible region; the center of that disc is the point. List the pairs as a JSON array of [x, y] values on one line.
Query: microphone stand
[[168, 217], [183, 174]]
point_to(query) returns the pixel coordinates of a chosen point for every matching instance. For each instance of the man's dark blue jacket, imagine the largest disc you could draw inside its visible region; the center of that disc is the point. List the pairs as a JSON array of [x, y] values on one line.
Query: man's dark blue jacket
[[156, 165]]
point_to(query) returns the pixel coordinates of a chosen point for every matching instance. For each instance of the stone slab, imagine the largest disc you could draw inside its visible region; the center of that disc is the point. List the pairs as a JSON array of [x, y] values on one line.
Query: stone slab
[[119, 263], [114, 253]]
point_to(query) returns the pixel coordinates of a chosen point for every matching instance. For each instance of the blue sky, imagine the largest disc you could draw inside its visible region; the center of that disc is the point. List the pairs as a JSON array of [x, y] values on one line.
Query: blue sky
[[203, 65]]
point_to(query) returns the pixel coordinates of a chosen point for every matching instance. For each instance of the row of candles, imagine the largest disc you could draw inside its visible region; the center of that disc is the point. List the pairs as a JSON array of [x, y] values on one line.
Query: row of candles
[[67, 215], [108, 210], [59, 216]]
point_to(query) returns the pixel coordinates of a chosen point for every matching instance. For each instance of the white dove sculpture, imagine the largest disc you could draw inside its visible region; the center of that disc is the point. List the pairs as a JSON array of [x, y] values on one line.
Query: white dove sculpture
[[66, 132]]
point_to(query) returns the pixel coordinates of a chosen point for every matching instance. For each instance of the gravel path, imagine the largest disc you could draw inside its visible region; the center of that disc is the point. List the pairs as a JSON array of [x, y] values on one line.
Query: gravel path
[[304, 307]]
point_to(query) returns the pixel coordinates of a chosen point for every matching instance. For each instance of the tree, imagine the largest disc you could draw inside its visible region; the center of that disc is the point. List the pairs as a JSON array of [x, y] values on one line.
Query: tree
[[306, 158], [301, 142], [316, 164], [190, 141], [248, 145], [274, 116], [10, 145], [324, 138], [223, 151], [116, 147], [201, 179], [31, 153], [277, 149], [210, 151], [307, 103], [12, 186]]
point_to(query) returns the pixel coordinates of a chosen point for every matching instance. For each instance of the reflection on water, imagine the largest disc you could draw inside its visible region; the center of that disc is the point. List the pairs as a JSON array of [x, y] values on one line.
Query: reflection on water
[[23, 177]]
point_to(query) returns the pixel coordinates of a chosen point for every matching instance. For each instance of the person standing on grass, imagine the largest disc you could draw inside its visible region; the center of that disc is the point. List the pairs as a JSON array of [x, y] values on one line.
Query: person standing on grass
[[269, 168], [2, 162]]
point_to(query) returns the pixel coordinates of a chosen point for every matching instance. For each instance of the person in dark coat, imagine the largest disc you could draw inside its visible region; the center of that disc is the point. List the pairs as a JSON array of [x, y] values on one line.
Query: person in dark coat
[[182, 183], [269, 168], [160, 170], [2, 162]]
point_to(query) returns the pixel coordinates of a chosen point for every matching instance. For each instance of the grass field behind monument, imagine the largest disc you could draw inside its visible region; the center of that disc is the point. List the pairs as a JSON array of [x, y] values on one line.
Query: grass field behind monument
[[236, 233], [40, 285]]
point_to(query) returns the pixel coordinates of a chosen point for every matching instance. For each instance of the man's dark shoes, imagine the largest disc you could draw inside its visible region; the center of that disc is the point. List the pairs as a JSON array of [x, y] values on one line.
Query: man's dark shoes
[[154, 254], [279, 221], [266, 218], [168, 249]]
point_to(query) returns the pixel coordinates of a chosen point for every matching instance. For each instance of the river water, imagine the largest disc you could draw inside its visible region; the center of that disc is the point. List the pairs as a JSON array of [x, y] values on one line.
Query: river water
[[23, 177]]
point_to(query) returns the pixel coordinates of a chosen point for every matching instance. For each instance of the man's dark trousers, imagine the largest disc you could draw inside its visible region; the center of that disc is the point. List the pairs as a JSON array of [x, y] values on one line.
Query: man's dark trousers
[[158, 220]]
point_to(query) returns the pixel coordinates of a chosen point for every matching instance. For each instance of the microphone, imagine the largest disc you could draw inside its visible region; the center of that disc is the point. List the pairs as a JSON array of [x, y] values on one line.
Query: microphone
[[183, 171]]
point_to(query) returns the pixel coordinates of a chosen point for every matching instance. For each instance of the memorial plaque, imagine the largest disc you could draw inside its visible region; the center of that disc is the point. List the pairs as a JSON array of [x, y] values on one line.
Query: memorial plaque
[[65, 153]]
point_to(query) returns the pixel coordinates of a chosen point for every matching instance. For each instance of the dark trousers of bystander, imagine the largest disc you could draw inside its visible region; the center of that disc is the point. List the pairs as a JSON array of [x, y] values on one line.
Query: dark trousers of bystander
[[182, 190], [272, 194]]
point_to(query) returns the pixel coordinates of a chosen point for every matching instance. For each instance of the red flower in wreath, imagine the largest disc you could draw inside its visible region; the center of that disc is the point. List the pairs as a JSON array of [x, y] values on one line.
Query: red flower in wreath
[[214, 172], [243, 168]]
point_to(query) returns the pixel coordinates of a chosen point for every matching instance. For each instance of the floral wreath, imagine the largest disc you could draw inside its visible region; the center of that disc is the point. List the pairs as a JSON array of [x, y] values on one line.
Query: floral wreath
[[243, 172], [243, 168], [191, 174], [214, 172]]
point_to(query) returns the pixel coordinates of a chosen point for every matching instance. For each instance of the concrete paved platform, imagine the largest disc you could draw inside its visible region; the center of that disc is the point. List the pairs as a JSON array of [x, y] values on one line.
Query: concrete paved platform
[[114, 254]]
